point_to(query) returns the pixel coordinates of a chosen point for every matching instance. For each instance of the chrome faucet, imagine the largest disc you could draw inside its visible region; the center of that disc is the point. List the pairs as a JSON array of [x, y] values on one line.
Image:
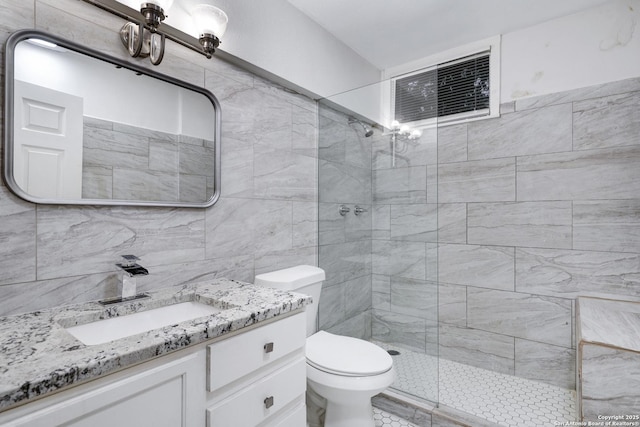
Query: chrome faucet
[[130, 269]]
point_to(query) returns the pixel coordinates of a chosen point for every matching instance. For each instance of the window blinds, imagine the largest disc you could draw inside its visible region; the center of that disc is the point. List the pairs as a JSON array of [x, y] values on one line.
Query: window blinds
[[458, 88]]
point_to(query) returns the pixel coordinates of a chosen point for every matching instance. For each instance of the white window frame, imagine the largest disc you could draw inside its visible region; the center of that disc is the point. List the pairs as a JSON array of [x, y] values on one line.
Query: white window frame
[[491, 44]]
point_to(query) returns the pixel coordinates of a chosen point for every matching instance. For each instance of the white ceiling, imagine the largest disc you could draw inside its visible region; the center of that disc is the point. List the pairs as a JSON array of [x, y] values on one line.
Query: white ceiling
[[388, 33]]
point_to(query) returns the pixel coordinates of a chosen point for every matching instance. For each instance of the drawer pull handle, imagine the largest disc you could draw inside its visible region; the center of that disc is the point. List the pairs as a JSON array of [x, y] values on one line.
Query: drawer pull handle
[[268, 347], [268, 402]]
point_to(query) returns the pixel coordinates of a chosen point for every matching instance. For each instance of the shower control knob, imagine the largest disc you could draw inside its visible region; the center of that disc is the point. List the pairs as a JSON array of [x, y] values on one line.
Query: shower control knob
[[359, 210], [344, 210]]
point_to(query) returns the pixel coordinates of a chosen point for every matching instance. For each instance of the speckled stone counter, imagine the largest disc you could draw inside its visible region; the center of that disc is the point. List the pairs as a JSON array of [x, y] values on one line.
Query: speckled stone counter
[[608, 337], [38, 356]]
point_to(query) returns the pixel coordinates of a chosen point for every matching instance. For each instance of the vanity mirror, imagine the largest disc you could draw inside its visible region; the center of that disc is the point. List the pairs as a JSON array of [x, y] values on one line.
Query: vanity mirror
[[85, 128]]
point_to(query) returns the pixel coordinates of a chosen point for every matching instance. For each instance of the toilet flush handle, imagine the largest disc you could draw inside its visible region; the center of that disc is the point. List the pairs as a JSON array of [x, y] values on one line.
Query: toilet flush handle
[[268, 347]]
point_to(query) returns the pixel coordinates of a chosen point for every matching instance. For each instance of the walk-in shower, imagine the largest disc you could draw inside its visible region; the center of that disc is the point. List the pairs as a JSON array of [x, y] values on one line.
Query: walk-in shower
[[408, 275], [382, 263]]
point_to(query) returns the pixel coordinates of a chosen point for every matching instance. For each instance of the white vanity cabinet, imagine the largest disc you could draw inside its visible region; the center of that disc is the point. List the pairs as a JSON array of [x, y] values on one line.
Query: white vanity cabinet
[[254, 377], [164, 392]]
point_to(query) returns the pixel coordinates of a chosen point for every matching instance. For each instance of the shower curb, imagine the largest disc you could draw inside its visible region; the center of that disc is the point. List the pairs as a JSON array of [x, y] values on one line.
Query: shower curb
[[424, 414], [416, 415]]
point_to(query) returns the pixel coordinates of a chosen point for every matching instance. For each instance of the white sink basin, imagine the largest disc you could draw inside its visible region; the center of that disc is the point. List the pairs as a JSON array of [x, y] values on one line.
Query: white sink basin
[[106, 330]]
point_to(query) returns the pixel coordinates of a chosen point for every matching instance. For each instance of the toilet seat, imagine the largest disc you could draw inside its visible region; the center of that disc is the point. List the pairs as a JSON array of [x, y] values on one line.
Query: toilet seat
[[346, 356]]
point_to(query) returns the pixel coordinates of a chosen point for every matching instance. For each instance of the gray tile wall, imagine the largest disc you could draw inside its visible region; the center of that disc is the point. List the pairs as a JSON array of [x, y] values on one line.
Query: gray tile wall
[[345, 246], [530, 210], [131, 163], [266, 217], [543, 205], [406, 224]]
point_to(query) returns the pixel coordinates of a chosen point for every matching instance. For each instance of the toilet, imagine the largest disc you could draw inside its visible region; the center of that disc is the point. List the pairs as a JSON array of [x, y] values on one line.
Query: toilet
[[345, 371]]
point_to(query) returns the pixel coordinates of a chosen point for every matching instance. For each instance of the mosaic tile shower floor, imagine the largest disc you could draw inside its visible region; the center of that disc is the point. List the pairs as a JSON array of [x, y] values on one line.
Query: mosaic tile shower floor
[[385, 419], [503, 399]]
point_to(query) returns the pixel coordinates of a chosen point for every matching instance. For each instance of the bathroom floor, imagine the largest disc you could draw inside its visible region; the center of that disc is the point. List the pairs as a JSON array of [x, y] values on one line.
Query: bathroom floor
[[385, 419], [503, 399]]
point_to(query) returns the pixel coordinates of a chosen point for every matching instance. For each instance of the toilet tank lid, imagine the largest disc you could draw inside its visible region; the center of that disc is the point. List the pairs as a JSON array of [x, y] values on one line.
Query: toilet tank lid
[[291, 278]]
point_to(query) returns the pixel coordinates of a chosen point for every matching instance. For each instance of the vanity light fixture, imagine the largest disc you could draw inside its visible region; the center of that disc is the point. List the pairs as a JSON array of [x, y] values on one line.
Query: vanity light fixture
[[146, 37]]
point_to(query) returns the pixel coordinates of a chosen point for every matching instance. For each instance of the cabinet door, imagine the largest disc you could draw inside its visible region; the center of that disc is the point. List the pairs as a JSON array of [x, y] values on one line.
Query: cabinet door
[[169, 395]]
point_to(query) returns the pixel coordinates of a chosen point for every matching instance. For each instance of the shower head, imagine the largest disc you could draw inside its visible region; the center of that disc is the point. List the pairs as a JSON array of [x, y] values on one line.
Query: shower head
[[367, 132]]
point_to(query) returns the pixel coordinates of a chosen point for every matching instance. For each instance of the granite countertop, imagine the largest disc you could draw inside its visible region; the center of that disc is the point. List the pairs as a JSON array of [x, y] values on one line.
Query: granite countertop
[[38, 356], [609, 322]]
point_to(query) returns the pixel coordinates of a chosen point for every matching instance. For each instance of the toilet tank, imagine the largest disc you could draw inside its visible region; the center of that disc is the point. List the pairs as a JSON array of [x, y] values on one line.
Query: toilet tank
[[305, 279]]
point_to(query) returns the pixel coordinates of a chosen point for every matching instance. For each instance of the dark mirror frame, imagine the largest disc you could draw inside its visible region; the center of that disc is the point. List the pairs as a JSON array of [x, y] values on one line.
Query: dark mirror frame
[[8, 169]]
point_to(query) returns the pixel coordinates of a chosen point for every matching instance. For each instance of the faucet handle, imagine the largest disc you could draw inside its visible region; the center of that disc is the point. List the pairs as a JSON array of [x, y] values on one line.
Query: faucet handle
[[131, 267], [359, 210], [343, 210]]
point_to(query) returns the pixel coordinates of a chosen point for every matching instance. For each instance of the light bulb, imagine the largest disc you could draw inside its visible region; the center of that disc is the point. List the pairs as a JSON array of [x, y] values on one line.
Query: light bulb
[[209, 19], [395, 124], [404, 129]]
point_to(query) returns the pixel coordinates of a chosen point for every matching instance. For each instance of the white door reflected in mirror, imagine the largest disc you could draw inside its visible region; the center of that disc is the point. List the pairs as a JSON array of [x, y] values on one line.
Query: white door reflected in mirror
[[48, 142]]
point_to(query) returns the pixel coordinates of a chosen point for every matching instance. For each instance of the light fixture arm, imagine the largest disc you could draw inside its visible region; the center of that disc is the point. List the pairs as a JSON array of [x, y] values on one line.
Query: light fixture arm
[[156, 48], [135, 37], [130, 35]]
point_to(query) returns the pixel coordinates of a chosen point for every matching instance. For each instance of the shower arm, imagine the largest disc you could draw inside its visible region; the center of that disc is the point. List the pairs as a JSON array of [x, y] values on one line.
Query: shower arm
[[367, 132]]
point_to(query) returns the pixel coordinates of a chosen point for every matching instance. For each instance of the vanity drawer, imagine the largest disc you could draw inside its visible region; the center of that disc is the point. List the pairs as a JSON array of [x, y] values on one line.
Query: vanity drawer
[[261, 399], [295, 418], [235, 357]]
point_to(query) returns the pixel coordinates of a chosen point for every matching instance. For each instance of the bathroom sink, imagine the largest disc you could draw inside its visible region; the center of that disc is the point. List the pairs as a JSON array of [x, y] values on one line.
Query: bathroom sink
[[114, 328]]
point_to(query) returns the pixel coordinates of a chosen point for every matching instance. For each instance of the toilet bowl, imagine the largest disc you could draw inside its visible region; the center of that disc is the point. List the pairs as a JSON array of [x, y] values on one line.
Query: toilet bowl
[[345, 371]]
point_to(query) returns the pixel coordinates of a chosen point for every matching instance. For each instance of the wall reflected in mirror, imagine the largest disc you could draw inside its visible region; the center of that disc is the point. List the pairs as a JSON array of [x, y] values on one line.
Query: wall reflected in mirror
[[86, 129]]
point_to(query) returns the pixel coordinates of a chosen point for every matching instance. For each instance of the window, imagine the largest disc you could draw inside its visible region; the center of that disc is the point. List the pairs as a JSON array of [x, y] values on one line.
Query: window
[[453, 90]]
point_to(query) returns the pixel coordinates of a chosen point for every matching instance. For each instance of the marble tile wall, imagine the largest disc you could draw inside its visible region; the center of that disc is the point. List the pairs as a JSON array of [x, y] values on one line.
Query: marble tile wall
[[562, 223], [131, 163], [531, 210], [345, 245], [266, 217], [406, 224]]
